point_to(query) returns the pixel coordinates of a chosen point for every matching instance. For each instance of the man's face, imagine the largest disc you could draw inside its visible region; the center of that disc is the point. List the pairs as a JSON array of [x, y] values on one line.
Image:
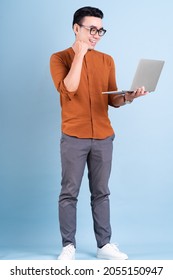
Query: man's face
[[83, 31]]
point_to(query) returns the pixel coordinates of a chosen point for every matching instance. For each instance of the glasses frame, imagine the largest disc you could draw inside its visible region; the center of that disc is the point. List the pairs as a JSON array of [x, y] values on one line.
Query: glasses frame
[[90, 28]]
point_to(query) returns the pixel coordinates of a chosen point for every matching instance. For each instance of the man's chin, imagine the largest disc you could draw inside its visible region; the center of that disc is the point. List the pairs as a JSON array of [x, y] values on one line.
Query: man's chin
[[91, 48]]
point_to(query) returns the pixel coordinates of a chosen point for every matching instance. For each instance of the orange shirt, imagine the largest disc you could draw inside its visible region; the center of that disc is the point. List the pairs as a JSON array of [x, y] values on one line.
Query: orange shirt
[[85, 111]]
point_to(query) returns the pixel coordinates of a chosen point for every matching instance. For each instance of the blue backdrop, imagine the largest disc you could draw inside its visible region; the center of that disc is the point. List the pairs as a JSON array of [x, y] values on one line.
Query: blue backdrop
[[142, 174]]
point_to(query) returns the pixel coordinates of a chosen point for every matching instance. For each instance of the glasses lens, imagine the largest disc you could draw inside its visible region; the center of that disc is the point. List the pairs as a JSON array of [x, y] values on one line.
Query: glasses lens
[[101, 32], [93, 30]]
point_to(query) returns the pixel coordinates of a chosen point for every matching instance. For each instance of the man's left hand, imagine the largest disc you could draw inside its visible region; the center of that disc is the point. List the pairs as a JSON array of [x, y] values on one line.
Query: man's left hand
[[137, 93]]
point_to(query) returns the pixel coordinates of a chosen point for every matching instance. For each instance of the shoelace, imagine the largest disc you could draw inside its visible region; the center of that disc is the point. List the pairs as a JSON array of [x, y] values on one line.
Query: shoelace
[[115, 246]]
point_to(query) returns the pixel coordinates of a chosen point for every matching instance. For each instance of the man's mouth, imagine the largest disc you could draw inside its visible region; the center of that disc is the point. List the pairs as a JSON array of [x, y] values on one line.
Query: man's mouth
[[93, 42]]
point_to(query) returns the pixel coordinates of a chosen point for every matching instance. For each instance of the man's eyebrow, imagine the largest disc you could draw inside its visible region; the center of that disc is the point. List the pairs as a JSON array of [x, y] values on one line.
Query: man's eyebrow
[[96, 27]]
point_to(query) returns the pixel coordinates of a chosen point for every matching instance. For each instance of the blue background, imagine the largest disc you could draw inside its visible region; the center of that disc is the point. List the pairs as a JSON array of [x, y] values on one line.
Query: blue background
[[142, 174]]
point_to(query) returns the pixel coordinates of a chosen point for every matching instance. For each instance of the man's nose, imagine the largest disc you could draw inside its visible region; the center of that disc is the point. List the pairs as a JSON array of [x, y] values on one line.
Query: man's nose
[[96, 36]]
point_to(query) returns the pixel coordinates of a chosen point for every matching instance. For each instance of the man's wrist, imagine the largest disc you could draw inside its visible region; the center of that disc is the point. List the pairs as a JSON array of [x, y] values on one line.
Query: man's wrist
[[126, 101]]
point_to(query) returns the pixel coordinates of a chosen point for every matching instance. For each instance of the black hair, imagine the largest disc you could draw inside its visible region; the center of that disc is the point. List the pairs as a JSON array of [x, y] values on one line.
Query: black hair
[[86, 11]]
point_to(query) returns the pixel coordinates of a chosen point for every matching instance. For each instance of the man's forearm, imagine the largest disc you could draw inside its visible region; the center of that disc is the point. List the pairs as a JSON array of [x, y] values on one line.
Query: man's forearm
[[72, 79], [120, 100]]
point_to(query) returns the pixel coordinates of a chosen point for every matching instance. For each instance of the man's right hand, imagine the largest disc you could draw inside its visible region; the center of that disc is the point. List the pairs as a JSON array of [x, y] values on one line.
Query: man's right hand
[[80, 47]]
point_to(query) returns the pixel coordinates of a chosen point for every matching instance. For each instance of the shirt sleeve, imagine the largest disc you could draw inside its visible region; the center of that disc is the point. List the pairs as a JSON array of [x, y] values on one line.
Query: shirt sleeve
[[59, 69], [112, 84]]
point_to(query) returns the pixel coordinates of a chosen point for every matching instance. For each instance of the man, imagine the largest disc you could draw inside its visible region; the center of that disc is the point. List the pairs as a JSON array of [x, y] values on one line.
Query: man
[[81, 74]]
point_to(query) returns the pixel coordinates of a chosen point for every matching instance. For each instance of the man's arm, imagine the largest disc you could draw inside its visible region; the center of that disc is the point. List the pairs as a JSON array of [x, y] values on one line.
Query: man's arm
[[72, 79], [120, 100]]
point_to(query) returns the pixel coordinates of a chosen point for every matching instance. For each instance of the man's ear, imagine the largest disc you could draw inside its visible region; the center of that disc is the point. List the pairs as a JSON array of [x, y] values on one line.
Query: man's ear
[[75, 28]]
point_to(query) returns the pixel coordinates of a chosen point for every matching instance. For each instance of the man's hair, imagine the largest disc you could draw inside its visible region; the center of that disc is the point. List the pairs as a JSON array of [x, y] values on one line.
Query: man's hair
[[85, 12]]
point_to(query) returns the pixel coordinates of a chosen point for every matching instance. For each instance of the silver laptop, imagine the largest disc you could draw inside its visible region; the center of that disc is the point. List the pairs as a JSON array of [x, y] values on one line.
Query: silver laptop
[[147, 75]]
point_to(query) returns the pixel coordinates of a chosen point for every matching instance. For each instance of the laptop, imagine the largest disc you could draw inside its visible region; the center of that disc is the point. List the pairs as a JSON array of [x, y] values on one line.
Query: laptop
[[147, 75]]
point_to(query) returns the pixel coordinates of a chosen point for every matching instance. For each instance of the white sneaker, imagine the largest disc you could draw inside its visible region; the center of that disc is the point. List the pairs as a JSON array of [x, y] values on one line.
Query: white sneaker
[[110, 252], [68, 253]]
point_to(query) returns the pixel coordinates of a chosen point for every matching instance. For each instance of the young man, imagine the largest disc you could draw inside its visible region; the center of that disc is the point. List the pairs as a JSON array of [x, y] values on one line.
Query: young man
[[80, 75]]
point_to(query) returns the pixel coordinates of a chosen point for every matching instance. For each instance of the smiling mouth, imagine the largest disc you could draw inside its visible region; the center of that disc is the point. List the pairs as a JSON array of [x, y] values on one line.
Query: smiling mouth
[[93, 42]]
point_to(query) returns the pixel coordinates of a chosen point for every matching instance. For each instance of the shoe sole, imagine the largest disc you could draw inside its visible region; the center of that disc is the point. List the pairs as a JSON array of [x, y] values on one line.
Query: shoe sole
[[110, 258]]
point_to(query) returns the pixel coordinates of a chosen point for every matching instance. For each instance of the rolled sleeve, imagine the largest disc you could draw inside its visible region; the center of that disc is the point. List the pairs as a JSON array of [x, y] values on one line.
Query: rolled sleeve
[[59, 71], [112, 85]]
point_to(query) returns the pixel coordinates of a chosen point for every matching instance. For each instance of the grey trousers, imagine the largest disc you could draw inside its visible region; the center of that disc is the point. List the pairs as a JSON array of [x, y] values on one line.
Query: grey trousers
[[75, 154]]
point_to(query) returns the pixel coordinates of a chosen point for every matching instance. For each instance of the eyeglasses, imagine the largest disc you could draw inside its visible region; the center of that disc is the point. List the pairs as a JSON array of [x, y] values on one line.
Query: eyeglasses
[[93, 30]]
